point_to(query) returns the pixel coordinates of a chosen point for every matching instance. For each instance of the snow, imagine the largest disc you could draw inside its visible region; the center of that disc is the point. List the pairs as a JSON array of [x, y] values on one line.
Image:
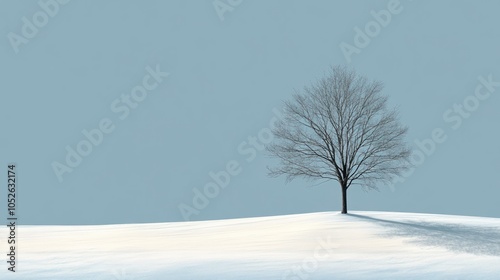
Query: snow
[[327, 245]]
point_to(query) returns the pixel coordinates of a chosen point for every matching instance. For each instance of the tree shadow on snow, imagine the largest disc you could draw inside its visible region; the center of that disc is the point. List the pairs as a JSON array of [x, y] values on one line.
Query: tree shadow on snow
[[453, 237]]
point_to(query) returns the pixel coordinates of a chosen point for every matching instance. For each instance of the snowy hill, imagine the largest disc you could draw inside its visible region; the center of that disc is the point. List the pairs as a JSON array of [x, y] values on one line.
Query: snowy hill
[[361, 245]]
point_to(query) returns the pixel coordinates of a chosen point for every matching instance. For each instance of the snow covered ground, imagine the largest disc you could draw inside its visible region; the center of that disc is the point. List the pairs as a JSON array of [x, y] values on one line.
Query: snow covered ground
[[361, 245]]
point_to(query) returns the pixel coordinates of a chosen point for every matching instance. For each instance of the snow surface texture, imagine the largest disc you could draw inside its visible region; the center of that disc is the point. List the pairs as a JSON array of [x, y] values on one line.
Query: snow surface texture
[[361, 245]]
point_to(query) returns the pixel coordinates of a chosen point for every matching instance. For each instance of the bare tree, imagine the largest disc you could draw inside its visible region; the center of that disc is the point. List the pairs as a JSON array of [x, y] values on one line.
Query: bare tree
[[340, 129]]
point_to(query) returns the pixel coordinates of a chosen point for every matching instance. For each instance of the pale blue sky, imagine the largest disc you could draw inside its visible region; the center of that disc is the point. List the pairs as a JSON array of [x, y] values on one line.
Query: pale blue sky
[[226, 77]]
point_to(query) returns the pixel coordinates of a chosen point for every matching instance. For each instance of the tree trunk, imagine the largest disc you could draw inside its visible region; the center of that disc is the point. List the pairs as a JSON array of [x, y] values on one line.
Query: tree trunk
[[344, 199]]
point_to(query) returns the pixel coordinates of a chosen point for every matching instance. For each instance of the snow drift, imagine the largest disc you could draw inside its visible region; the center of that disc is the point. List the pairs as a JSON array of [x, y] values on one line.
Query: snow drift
[[361, 245]]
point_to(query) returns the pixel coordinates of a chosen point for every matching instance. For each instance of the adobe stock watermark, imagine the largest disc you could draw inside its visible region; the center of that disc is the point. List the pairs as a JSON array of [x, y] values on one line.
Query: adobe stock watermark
[[363, 37], [31, 26], [221, 179], [224, 6], [122, 108], [309, 265], [122, 275], [454, 117]]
